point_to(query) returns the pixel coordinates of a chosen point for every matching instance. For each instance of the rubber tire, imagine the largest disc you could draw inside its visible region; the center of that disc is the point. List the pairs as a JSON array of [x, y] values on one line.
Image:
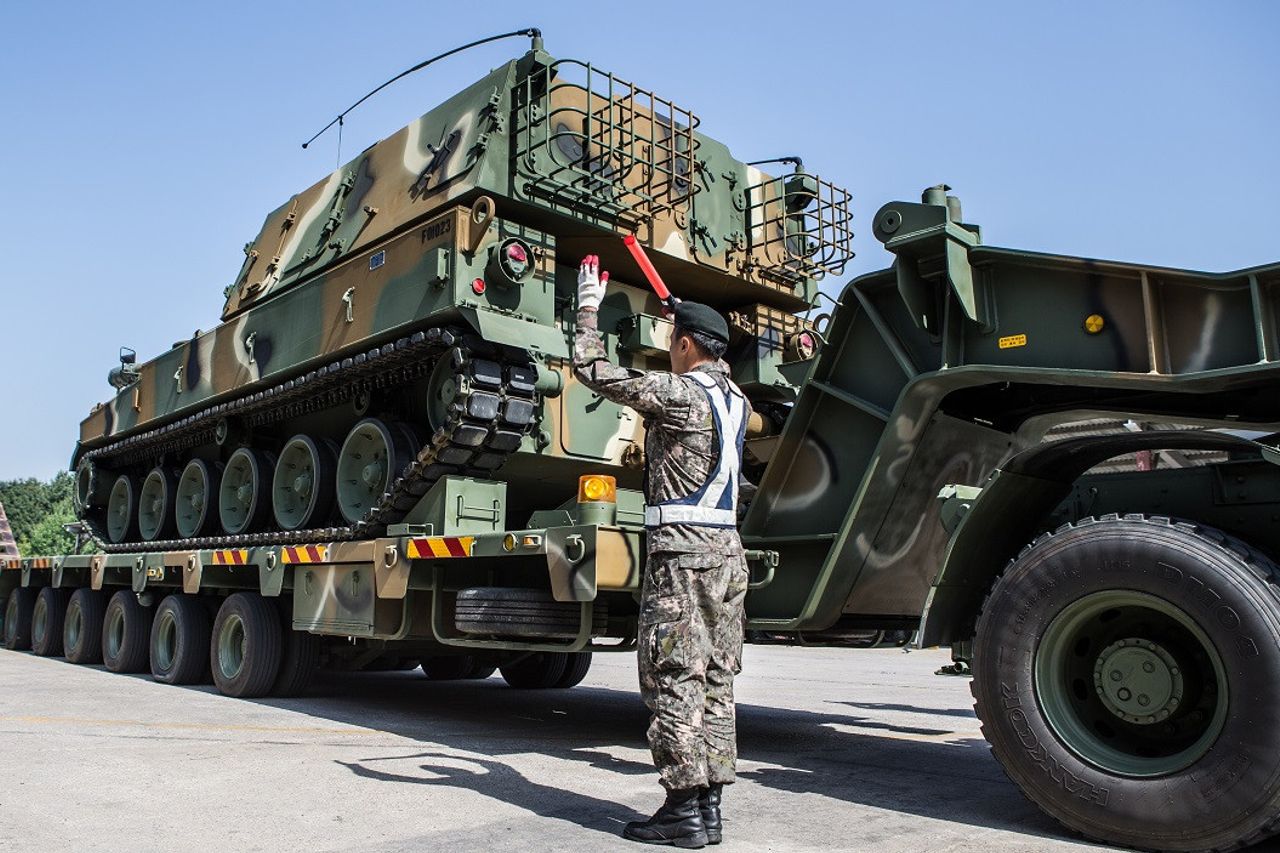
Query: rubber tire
[[299, 658], [481, 671], [263, 644], [54, 603], [1227, 798], [521, 612], [192, 629], [448, 667], [537, 671], [135, 646], [17, 622], [577, 665], [92, 607]]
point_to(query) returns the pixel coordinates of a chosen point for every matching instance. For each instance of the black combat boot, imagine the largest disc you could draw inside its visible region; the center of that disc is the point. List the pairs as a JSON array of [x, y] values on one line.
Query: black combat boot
[[678, 822], [709, 804]]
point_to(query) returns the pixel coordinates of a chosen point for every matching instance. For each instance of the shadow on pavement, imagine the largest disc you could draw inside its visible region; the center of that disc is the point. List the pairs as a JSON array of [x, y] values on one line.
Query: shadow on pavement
[[931, 772]]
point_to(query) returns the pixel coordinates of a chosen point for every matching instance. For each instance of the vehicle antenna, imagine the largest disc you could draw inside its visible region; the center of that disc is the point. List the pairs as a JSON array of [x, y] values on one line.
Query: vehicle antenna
[[532, 32], [795, 161]]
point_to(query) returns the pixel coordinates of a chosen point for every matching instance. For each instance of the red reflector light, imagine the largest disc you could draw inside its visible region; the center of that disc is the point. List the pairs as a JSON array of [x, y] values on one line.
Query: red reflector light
[[478, 286]]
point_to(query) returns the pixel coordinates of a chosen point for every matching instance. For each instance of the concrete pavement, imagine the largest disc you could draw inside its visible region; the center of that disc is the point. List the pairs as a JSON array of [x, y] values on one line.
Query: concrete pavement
[[841, 750]]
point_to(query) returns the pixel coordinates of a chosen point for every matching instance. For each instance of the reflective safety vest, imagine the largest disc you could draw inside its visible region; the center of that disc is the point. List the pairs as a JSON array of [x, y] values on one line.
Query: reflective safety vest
[[715, 502]]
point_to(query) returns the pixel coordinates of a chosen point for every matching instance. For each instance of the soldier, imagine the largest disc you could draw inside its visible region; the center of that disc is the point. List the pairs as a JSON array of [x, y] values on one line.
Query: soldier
[[691, 615]]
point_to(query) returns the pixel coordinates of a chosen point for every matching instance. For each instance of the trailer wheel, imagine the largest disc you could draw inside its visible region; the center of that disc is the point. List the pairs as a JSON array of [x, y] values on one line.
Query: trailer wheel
[[179, 637], [576, 668], [536, 671], [17, 618], [46, 622], [126, 633], [299, 660], [245, 649], [82, 628], [481, 671], [448, 667], [1125, 676]]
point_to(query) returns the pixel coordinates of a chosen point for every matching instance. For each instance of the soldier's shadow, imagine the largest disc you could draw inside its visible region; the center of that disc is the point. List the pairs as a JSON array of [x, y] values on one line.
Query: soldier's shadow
[[500, 781], [465, 728]]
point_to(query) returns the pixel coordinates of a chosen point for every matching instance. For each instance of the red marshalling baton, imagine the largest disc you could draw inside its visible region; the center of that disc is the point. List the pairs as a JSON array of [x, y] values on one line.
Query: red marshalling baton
[[646, 266]]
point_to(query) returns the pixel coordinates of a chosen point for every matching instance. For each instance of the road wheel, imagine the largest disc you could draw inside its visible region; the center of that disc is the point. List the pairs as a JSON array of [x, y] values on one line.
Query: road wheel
[[179, 640], [82, 628], [126, 633], [47, 620], [575, 669], [299, 658], [244, 492], [536, 671], [157, 505], [303, 483], [17, 618], [122, 510], [1125, 675], [245, 650]]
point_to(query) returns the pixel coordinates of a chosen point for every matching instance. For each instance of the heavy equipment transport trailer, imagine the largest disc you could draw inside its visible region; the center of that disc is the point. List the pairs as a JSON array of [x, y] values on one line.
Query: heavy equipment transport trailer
[[532, 599], [1123, 629]]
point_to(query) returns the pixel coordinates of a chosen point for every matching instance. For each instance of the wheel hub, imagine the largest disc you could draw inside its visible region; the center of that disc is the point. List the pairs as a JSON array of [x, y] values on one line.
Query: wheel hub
[[302, 484], [373, 474], [1138, 680]]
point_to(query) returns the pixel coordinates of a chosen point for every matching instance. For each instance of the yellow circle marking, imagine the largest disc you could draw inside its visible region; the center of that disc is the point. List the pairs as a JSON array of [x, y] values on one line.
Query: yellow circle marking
[[1094, 323]]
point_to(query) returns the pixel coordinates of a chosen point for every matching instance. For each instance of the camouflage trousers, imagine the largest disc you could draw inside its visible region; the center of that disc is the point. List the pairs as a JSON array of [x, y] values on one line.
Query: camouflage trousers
[[691, 622]]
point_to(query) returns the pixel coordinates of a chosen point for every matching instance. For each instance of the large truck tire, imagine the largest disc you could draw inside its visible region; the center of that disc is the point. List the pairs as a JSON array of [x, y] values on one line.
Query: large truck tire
[[1125, 673], [448, 667], [82, 627], [536, 671], [575, 669], [180, 640], [46, 622], [520, 612], [246, 647], [17, 618], [299, 660], [126, 633]]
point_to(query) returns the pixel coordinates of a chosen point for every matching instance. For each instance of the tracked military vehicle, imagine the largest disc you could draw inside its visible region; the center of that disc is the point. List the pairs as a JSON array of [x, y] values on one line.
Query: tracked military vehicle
[[381, 454]]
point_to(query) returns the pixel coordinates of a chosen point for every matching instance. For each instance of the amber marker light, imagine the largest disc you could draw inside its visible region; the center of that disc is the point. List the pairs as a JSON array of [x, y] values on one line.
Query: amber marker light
[[597, 488]]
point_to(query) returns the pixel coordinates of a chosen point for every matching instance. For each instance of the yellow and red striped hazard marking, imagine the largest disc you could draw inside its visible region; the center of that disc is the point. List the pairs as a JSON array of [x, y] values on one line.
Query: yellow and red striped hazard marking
[[304, 554], [231, 557], [431, 547], [40, 563]]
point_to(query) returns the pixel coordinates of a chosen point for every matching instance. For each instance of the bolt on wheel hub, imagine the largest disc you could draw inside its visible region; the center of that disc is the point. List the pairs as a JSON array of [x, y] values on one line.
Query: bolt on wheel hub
[[1138, 681]]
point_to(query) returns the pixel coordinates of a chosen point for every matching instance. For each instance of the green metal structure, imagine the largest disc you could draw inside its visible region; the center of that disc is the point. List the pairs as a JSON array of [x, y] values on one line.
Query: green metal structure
[[381, 454]]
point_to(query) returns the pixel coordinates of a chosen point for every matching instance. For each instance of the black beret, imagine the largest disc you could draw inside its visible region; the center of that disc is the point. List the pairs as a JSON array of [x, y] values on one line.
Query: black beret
[[696, 317]]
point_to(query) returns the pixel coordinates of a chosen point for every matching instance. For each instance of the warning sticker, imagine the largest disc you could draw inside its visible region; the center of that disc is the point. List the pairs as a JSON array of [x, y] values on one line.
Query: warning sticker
[[1011, 341]]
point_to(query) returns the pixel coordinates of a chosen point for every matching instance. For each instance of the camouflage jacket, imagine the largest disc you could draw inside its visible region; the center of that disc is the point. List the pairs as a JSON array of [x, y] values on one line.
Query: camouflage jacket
[[681, 448]]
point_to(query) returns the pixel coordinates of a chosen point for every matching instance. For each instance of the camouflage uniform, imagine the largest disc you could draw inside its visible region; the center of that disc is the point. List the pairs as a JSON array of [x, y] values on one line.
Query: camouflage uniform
[[691, 615]]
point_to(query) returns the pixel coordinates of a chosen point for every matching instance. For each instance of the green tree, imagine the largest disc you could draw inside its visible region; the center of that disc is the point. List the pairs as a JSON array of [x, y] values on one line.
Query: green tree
[[37, 511], [48, 537]]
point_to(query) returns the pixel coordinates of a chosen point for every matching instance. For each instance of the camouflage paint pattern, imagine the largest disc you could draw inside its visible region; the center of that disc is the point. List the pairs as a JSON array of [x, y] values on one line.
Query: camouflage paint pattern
[[393, 240], [691, 622], [8, 547]]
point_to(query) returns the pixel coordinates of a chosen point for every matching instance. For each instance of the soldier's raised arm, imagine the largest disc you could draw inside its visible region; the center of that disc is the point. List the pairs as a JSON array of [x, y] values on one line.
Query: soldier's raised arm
[[651, 392]]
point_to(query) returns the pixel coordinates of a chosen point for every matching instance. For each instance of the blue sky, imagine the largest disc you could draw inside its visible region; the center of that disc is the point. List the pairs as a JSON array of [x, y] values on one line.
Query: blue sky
[[144, 143]]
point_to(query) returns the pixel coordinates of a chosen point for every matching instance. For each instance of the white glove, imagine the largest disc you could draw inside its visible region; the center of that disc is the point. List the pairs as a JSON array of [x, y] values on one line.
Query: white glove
[[591, 283]]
